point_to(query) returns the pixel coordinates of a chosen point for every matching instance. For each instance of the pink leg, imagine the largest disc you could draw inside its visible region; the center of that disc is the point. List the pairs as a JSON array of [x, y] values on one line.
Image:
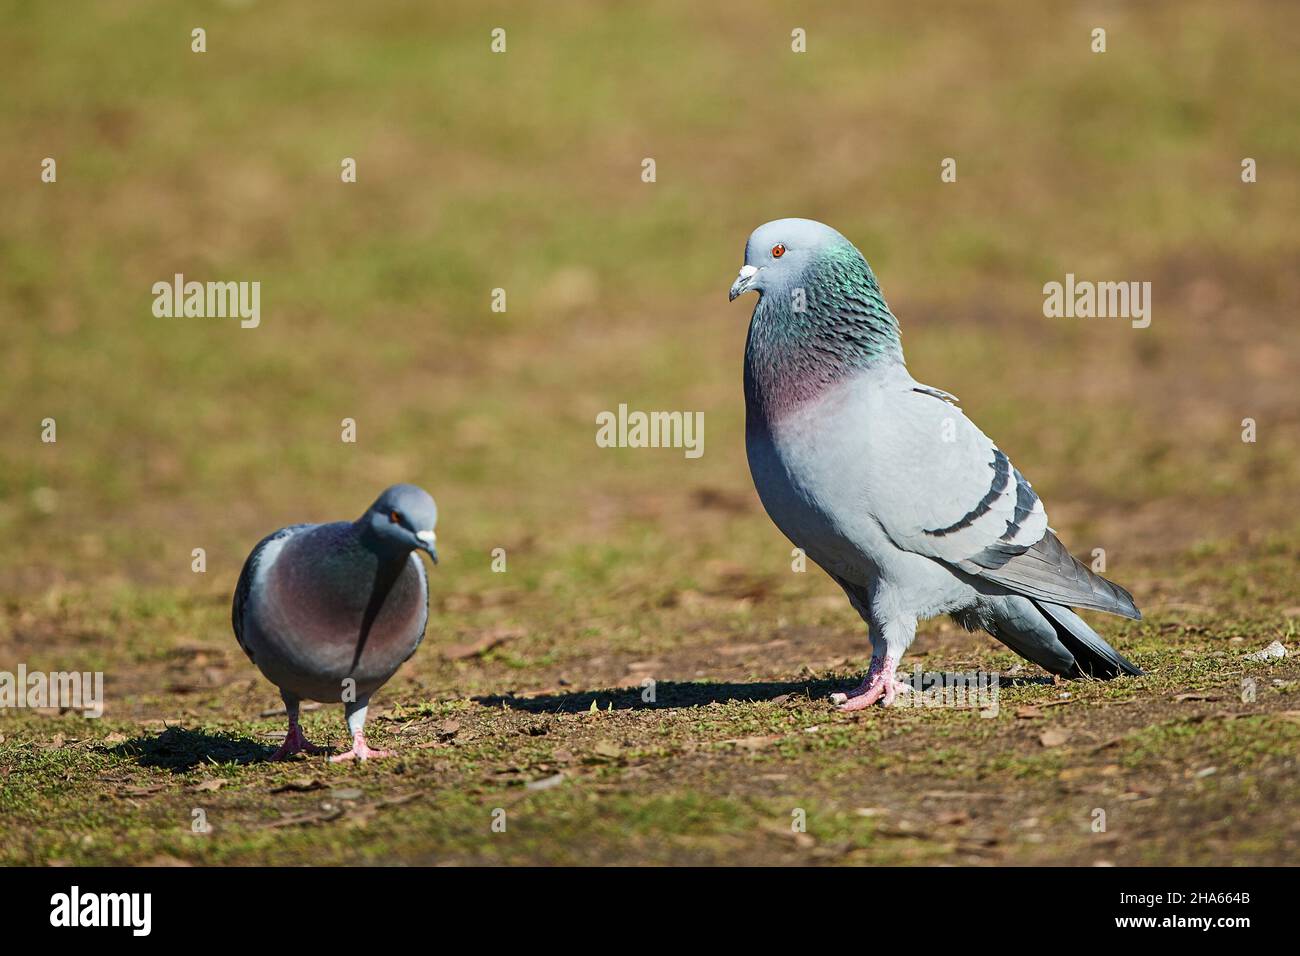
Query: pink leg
[[868, 682], [360, 751], [295, 742], [878, 686]]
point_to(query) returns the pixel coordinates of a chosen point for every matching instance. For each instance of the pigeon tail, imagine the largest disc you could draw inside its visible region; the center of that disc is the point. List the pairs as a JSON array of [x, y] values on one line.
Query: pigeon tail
[[1092, 655]]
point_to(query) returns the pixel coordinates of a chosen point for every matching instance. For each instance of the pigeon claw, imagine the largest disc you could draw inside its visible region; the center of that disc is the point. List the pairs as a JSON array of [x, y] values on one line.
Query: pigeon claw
[[295, 742], [879, 686], [360, 751]]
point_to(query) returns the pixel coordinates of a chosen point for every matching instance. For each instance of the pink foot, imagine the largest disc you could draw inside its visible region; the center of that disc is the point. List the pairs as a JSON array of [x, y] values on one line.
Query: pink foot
[[868, 682], [878, 686], [295, 742], [360, 751]]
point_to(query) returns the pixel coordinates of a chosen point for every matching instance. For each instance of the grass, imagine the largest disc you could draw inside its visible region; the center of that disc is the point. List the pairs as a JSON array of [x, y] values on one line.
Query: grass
[[523, 171]]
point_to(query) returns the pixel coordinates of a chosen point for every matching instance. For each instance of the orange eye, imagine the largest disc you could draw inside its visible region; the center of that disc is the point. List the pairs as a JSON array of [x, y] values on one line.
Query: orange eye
[[393, 517], [778, 251]]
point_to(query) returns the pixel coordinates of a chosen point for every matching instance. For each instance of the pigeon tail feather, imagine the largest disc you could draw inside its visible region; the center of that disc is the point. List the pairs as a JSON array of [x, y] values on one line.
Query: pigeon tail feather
[[1093, 656]]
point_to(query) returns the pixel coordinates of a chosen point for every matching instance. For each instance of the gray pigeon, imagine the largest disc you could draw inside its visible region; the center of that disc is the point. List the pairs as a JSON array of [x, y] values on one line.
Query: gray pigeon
[[885, 484], [329, 612]]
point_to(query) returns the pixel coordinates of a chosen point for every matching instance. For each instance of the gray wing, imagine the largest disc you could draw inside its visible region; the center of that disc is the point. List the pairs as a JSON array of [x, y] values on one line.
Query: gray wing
[[947, 492], [243, 590], [1048, 572]]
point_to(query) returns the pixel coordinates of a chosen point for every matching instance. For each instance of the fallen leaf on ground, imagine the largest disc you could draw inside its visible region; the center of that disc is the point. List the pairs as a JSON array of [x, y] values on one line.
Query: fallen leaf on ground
[[145, 790], [324, 816], [482, 644], [1106, 744]]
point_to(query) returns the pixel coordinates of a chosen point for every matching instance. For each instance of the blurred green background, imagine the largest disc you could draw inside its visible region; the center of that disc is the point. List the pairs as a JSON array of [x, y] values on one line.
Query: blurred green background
[[522, 171]]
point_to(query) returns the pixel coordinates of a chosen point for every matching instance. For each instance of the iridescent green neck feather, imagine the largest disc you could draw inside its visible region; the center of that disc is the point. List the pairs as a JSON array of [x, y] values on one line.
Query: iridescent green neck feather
[[844, 326]]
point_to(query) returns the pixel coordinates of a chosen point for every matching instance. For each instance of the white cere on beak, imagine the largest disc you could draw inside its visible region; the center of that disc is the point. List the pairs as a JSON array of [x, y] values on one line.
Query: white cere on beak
[[426, 536], [747, 271]]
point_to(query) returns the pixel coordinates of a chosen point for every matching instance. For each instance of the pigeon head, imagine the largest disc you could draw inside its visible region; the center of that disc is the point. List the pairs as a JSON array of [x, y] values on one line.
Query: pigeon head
[[820, 316], [780, 252], [402, 520]]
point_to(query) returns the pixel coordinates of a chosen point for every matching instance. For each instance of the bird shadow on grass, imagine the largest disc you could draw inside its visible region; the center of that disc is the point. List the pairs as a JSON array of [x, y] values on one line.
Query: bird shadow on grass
[[678, 694], [667, 694], [180, 750]]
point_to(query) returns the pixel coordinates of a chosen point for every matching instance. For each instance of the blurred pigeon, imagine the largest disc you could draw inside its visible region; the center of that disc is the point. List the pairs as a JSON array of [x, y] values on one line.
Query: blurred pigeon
[[885, 484], [329, 612]]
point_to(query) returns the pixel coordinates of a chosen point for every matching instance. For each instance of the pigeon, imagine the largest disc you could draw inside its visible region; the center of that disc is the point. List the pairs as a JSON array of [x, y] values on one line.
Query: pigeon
[[886, 485], [329, 612]]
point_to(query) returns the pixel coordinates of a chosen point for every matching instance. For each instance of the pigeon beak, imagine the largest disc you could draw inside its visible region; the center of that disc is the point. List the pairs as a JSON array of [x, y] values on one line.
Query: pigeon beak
[[427, 541], [743, 282]]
